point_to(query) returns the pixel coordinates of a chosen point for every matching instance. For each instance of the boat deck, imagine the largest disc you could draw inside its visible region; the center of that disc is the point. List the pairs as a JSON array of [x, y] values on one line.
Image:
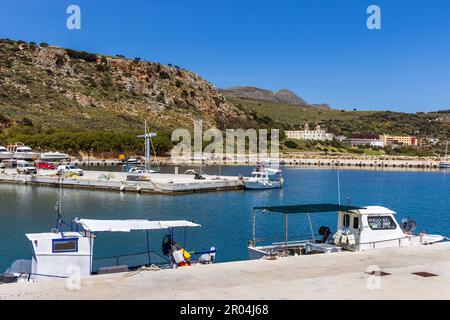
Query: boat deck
[[325, 276]]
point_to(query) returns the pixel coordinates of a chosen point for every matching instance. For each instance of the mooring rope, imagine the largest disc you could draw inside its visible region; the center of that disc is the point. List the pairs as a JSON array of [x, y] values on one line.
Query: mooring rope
[[151, 268]]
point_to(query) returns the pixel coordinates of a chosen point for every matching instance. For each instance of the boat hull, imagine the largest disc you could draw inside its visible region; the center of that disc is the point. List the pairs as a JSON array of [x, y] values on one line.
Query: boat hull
[[259, 185], [6, 155], [25, 156], [54, 156], [444, 165]]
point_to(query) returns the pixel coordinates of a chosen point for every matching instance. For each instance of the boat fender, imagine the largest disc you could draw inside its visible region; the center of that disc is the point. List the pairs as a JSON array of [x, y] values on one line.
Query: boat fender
[[138, 188], [337, 237], [178, 256], [122, 188], [351, 240]]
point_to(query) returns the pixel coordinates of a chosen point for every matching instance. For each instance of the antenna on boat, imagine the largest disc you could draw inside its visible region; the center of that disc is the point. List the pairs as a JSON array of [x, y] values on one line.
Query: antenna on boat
[[339, 183]]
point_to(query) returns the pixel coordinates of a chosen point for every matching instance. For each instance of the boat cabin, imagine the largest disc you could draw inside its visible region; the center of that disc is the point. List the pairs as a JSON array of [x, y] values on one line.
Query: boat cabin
[[267, 173], [357, 229]]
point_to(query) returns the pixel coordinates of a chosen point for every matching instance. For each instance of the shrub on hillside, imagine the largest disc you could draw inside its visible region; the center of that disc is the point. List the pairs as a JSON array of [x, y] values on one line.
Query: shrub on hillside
[[164, 75], [81, 55], [291, 144]]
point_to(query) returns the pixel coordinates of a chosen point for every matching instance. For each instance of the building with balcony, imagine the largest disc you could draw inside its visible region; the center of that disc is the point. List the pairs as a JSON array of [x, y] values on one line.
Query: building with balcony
[[318, 134]]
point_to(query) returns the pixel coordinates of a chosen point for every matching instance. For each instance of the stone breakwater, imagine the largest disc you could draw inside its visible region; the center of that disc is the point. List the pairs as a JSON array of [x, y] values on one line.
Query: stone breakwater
[[117, 181]]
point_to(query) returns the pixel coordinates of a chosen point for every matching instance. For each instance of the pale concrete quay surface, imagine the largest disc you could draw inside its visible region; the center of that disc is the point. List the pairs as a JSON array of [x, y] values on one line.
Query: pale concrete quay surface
[[326, 276], [114, 181]]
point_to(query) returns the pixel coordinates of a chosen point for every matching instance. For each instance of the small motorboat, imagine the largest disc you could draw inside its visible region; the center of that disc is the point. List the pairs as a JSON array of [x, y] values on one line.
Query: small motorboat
[[5, 154], [358, 229], [69, 247], [22, 152], [264, 178], [54, 156]]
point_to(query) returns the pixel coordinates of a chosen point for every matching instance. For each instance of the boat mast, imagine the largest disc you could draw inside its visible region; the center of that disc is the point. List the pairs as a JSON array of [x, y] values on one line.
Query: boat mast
[[446, 152], [147, 138]]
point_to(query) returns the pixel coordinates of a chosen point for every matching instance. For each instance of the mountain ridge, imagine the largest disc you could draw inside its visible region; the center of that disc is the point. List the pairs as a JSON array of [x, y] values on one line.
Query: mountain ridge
[[283, 96]]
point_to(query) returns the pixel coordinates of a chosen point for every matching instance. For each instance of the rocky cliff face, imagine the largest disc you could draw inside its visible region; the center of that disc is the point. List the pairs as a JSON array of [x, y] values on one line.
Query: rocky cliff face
[[56, 87]]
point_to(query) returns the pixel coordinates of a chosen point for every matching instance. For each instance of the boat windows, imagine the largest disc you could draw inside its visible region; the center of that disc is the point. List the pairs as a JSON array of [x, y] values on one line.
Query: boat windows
[[355, 222], [346, 222], [65, 245], [381, 223]]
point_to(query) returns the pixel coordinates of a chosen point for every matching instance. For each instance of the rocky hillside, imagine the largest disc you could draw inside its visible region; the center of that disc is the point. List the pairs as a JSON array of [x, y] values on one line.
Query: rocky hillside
[[52, 87], [283, 96]]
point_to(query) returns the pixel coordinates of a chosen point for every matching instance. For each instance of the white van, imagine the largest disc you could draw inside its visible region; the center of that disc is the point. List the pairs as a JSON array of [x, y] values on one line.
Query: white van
[[70, 168], [24, 167]]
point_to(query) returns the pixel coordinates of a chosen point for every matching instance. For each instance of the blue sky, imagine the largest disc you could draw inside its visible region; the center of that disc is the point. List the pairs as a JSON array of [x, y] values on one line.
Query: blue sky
[[320, 49]]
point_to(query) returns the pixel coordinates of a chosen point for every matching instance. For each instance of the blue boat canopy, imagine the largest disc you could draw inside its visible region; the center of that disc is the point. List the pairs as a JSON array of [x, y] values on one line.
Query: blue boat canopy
[[308, 208]]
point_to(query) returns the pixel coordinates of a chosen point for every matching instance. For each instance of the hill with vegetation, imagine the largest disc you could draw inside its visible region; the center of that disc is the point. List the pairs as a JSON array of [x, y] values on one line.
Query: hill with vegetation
[[61, 99], [46, 90], [351, 123]]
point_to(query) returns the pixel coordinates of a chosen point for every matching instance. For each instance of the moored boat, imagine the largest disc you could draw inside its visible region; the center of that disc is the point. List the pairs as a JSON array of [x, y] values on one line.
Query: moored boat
[[358, 229], [54, 156], [445, 164], [22, 152], [5, 154], [264, 178], [59, 253]]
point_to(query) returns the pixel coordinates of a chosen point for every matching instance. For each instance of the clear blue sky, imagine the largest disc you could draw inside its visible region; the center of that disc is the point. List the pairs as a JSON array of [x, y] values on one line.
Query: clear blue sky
[[320, 49]]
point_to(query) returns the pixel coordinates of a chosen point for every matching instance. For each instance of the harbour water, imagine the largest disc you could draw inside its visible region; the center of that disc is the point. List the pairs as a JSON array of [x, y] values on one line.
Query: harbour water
[[225, 216]]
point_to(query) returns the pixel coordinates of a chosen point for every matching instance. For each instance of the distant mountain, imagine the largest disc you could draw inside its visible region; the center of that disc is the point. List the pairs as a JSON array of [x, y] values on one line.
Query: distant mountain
[[283, 96]]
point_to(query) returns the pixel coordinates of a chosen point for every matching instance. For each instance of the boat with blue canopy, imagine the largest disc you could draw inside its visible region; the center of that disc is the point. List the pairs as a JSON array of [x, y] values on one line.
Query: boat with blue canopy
[[359, 228]]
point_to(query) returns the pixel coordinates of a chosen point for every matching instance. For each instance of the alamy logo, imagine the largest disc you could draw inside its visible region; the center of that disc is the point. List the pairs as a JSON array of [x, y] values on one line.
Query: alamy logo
[[73, 22], [374, 20], [235, 142], [373, 282], [73, 282]]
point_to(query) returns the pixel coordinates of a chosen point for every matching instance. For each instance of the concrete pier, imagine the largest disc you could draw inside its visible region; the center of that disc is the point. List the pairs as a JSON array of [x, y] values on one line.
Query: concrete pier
[[117, 181], [325, 276], [363, 163]]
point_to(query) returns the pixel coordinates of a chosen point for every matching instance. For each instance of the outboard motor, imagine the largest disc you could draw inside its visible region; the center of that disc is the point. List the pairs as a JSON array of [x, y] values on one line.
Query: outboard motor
[[408, 225], [325, 232], [166, 245]]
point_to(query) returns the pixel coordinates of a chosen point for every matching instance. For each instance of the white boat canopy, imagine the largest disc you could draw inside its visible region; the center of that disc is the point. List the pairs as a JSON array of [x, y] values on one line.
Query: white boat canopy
[[130, 225]]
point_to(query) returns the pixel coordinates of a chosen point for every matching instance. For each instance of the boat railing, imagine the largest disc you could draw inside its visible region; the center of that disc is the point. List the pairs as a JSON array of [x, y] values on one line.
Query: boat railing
[[300, 238], [131, 260], [374, 243]]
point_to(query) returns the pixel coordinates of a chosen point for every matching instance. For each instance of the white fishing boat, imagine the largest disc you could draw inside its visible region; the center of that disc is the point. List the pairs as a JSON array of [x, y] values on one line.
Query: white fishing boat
[[59, 253], [5, 154], [54, 156], [445, 164], [22, 152], [264, 178], [358, 229]]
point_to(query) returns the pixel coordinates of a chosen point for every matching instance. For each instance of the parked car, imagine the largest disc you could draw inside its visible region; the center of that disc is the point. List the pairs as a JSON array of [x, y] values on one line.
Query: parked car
[[70, 168], [24, 167], [46, 166]]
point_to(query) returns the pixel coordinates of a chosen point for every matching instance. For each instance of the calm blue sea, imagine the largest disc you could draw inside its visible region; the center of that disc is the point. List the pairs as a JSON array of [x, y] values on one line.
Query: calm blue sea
[[225, 216]]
